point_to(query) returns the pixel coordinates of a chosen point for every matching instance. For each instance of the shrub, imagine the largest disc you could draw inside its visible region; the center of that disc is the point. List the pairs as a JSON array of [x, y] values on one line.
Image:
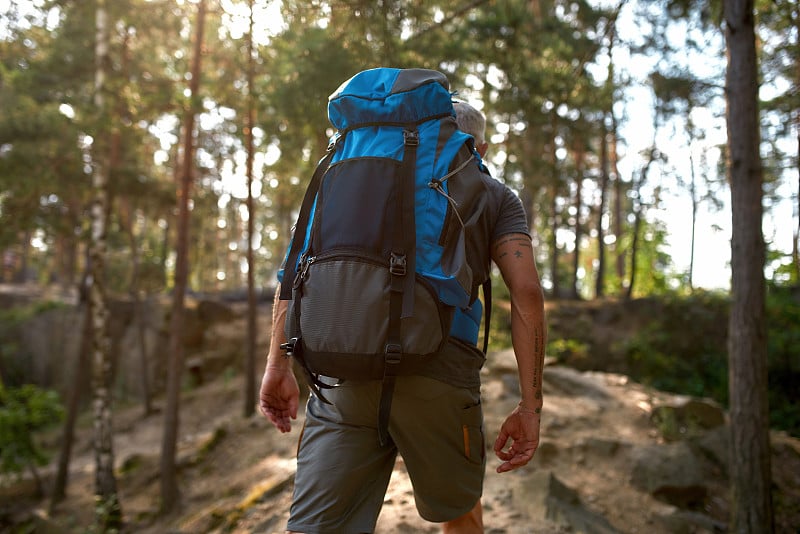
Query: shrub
[[24, 411]]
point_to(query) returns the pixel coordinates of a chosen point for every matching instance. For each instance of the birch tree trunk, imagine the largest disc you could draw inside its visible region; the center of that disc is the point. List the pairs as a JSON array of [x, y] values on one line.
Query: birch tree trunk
[[108, 512]]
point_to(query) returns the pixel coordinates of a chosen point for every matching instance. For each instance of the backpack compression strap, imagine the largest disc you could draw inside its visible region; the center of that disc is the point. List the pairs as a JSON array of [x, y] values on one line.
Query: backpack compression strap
[[402, 271]]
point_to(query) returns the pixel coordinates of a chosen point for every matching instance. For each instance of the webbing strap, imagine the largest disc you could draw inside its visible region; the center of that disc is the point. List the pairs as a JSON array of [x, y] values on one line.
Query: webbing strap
[[401, 269], [392, 360], [408, 230], [487, 312], [298, 240]]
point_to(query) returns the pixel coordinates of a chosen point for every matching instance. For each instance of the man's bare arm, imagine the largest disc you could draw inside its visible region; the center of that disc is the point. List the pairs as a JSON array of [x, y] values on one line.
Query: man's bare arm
[[513, 255], [279, 308]]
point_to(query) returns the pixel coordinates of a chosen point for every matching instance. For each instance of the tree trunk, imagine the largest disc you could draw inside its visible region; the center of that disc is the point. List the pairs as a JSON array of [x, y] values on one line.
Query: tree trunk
[[637, 223], [108, 512], [618, 209], [599, 288], [250, 361], [24, 257], [796, 241], [695, 204], [580, 157], [170, 494], [73, 404], [638, 214], [127, 219], [554, 241], [750, 475], [554, 220]]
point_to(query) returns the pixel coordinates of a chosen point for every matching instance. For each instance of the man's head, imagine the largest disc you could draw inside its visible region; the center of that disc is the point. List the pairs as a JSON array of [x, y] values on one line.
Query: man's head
[[471, 121]]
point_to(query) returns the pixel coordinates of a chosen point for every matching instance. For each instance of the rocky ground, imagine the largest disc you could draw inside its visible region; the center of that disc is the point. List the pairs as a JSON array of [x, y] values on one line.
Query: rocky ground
[[603, 466]]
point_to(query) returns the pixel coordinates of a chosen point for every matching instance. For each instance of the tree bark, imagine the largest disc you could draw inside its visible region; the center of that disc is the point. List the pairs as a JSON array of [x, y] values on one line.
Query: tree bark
[[796, 241], [128, 220], [638, 214], [695, 205], [250, 360], [618, 210], [170, 494], [599, 288], [750, 475], [580, 159], [554, 219], [108, 512], [554, 242], [73, 403]]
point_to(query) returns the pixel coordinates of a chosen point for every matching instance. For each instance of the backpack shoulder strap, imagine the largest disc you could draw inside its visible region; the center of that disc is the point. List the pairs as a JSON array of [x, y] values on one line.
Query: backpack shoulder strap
[[487, 312], [303, 219]]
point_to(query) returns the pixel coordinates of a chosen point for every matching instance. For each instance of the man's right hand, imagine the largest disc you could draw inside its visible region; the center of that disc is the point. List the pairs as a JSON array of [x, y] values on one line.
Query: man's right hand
[[279, 396], [522, 429]]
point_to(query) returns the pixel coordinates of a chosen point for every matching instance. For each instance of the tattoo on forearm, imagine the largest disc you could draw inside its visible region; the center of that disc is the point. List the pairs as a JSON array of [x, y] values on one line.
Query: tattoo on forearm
[[538, 351]]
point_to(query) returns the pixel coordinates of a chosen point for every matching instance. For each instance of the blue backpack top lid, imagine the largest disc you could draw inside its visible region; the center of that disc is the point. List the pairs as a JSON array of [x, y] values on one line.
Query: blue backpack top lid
[[390, 95]]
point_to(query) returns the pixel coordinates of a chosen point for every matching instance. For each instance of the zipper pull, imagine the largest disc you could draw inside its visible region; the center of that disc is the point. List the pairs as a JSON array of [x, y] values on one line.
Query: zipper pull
[[302, 272], [306, 265]]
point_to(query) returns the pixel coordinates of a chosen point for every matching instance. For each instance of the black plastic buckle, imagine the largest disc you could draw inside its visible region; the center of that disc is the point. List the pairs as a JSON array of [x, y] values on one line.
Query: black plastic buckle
[[397, 264], [393, 353], [411, 137], [288, 347]]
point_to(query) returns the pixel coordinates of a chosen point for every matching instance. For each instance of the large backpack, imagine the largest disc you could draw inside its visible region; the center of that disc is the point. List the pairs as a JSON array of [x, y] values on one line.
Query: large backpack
[[377, 272]]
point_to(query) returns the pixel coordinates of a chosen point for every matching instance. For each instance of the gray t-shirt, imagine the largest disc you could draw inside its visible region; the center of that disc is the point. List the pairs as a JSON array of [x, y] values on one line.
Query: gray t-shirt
[[459, 363]]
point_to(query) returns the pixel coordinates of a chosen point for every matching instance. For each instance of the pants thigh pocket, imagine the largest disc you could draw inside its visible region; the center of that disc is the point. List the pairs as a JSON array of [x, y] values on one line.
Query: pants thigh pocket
[[472, 433]]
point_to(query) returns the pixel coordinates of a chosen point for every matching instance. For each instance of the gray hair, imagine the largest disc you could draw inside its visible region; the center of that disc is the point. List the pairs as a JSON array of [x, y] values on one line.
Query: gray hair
[[471, 121]]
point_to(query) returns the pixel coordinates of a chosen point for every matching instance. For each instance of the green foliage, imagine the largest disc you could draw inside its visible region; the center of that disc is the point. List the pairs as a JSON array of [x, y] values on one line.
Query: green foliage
[[567, 349], [24, 411], [683, 350], [19, 314], [107, 516], [783, 353]]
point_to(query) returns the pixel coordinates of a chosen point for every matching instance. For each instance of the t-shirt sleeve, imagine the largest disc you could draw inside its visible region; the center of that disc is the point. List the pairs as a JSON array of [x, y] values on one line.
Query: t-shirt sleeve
[[511, 215]]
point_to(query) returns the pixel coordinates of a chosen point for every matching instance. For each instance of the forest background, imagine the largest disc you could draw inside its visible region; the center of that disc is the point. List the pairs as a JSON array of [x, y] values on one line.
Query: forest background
[[162, 147]]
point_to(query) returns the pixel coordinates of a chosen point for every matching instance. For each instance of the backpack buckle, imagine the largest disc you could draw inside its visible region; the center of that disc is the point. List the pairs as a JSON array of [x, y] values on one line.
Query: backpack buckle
[[288, 347], [411, 137], [393, 353], [397, 264], [302, 271]]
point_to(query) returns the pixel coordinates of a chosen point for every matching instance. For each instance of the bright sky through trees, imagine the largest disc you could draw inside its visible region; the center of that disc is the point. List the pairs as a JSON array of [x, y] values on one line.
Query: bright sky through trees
[[712, 249]]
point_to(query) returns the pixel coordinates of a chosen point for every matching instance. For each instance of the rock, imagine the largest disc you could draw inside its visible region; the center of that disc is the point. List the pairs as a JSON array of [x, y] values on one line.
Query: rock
[[211, 311], [680, 417], [601, 447], [501, 363], [572, 383], [686, 522], [715, 445], [673, 472], [545, 498], [546, 453]]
